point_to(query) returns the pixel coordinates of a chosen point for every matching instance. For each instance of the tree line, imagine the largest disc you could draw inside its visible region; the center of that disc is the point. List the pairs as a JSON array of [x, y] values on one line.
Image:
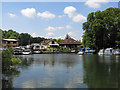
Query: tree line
[[23, 38], [102, 29]]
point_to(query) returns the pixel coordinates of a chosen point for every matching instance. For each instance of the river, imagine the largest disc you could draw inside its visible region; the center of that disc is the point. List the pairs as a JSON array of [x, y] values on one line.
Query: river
[[67, 71]]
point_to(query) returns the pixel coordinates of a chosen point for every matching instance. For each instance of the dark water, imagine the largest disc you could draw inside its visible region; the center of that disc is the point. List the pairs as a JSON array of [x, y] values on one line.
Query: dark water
[[67, 71]]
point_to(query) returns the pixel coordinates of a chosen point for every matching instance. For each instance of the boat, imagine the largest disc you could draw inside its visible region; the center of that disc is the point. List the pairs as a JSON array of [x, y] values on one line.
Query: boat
[[89, 51], [81, 52], [18, 50], [101, 52], [37, 52], [108, 51], [116, 52], [26, 52]]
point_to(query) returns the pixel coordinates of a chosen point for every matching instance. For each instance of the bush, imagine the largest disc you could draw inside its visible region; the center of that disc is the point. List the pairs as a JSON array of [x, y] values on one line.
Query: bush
[[15, 60]]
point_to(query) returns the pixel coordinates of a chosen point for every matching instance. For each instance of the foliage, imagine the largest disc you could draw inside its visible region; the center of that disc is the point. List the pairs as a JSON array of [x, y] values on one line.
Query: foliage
[[102, 28], [15, 60], [58, 40], [8, 59], [23, 38]]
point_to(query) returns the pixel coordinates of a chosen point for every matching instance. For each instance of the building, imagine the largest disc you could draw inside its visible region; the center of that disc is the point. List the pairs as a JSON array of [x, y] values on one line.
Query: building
[[49, 43], [69, 42], [37, 46], [9, 43]]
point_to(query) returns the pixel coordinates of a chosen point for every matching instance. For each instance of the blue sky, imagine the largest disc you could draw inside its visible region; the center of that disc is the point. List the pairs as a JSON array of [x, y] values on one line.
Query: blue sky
[[49, 19]]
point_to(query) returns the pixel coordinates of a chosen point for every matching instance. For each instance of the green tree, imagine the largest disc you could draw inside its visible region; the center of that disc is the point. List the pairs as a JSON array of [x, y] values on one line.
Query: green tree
[[58, 40], [25, 39], [102, 28]]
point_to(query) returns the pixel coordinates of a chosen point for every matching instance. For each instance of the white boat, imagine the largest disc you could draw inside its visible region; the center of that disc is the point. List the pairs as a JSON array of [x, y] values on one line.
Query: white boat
[[101, 52], [18, 50], [89, 51], [26, 52], [81, 52], [108, 51], [36, 52], [117, 52]]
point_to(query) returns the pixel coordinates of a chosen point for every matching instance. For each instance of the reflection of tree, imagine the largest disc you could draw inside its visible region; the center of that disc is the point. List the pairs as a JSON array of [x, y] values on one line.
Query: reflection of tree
[[25, 62], [52, 60], [7, 79], [101, 75], [10, 72]]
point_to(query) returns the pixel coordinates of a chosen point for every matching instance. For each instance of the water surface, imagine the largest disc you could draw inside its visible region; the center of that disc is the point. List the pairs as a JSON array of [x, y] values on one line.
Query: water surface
[[68, 71]]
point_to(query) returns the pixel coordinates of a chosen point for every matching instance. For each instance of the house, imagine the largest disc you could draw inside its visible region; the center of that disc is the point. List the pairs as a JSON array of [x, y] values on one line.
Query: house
[[69, 42], [49, 43], [9, 43], [37, 46]]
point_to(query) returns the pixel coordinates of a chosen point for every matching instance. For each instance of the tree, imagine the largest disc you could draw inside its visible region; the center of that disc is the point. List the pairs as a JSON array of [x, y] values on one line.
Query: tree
[[102, 28], [25, 39], [58, 40]]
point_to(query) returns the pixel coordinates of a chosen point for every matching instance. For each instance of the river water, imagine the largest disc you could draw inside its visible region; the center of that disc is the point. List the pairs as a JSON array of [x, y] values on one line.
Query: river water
[[67, 71]]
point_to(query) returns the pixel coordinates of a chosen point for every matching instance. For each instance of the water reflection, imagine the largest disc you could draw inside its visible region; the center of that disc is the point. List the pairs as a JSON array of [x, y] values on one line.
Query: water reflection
[[101, 71], [67, 71]]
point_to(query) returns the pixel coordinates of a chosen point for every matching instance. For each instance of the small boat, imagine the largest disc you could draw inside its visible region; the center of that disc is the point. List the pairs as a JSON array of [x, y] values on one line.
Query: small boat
[[89, 51], [18, 51], [108, 51], [81, 52], [36, 52], [117, 52], [26, 52], [101, 52]]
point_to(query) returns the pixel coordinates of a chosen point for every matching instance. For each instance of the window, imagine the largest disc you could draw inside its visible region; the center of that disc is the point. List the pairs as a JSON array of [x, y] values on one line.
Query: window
[[8, 42], [14, 42], [53, 42]]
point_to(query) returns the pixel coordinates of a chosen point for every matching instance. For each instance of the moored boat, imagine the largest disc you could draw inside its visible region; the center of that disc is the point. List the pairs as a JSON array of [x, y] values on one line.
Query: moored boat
[[116, 52], [37, 52], [89, 51], [18, 50], [108, 51], [26, 52], [101, 52], [81, 52]]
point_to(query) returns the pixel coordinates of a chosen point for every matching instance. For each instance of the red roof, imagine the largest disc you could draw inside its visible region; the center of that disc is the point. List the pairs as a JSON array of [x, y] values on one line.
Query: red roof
[[70, 41]]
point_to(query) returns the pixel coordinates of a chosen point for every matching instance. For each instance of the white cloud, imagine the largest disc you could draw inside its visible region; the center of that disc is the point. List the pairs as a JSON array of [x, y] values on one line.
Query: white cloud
[[46, 14], [29, 12], [95, 3], [68, 27], [57, 28], [60, 16], [71, 12], [79, 18], [50, 34], [72, 34], [34, 35], [51, 28], [11, 15]]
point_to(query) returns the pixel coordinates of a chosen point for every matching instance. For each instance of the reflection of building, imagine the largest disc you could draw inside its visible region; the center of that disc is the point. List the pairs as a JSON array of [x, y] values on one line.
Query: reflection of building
[[69, 42], [9, 43], [49, 43]]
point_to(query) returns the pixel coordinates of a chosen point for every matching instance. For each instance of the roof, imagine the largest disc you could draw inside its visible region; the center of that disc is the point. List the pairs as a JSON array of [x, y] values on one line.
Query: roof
[[10, 39], [44, 42], [70, 41]]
